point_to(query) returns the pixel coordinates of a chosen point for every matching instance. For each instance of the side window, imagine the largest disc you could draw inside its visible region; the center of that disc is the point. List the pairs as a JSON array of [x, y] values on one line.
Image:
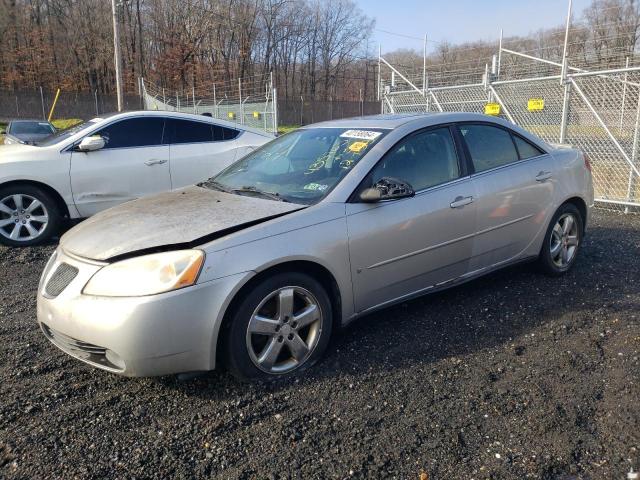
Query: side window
[[489, 146], [185, 131], [224, 133], [424, 159], [133, 132], [525, 149]]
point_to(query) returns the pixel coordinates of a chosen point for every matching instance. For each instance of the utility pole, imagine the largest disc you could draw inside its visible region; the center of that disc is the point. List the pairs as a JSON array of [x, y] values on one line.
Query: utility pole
[[116, 53]]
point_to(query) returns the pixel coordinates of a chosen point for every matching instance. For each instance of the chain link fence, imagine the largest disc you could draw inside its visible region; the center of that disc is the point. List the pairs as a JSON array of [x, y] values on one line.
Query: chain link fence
[[596, 112], [36, 104], [304, 112], [250, 101]]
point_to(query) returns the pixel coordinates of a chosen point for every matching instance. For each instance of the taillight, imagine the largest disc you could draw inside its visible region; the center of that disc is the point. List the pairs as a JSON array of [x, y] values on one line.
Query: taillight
[[587, 163]]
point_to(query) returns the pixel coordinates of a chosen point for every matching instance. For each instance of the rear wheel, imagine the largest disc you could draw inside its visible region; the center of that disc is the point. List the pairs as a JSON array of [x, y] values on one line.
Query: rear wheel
[[28, 216], [281, 328], [562, 241]]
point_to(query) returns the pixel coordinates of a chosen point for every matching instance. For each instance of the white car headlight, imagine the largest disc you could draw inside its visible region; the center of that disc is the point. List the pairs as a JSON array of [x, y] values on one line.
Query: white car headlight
[[147, 275]]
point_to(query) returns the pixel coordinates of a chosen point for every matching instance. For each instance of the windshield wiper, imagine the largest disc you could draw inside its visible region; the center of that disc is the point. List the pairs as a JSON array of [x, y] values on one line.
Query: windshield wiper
[[252, 189], [215, 185]]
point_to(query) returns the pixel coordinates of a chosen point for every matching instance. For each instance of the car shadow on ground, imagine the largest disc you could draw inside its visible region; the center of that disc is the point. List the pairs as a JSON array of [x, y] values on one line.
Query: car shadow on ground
[[496, 309]]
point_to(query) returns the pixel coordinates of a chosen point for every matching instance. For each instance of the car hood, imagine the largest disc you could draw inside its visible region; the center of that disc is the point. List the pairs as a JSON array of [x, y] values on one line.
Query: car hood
[[179, 219], [14, 151]]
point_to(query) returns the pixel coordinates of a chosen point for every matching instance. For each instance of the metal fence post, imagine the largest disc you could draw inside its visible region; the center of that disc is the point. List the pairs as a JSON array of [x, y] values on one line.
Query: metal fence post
[[301, 110], [240, 101], [95, 96], [142, 91], [275, 111], [424, 67], [565, 112], [17, 107], [624, 97], [44, 115], [379, 73], [634, 155], [499, 56]]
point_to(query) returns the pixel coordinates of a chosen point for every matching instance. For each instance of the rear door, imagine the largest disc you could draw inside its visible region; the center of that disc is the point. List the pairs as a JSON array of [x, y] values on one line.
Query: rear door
[[133, 163], [513, 185], [399, 247], [199, 150]]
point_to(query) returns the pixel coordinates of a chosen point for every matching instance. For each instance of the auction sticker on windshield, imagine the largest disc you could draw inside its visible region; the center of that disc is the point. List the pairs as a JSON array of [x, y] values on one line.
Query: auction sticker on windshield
[[316, 187], [357, 147], [361, 134]]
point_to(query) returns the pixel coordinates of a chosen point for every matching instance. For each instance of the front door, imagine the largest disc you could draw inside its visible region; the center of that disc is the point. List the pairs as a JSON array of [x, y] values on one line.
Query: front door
[[132, 164], [400, 247]]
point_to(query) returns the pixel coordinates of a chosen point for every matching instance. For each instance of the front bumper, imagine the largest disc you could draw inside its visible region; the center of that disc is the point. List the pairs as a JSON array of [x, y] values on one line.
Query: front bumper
[[134, 336]]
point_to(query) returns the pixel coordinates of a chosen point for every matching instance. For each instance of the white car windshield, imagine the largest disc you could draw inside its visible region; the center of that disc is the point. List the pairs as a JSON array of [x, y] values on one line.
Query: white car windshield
[[301, 167]]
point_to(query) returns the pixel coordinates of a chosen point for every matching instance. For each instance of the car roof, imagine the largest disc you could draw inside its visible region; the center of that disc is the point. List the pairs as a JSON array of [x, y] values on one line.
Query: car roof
[[394, 120], [184, 116]]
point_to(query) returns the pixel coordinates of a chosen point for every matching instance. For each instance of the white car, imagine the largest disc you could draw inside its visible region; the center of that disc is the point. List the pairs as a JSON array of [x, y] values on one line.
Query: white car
[[101, 163]]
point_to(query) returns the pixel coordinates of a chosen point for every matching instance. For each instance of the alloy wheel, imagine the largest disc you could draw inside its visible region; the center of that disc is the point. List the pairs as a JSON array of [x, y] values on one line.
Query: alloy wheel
[[564, 240], [284, 330], [22, 217]]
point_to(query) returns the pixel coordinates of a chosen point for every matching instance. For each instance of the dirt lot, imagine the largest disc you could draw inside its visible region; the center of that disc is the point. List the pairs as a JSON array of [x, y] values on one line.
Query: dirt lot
[[513, 376]]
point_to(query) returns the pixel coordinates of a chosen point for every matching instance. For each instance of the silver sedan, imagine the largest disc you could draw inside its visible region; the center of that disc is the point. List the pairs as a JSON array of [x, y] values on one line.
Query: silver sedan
[[254, 268]]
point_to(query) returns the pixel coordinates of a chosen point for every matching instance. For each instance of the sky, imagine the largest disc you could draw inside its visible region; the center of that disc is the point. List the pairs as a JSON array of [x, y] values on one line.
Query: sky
[[459, 21]]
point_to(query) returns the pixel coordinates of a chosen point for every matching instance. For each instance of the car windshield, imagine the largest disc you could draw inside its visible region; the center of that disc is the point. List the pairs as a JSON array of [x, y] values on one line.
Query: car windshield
[[301, 167], [67, 133], [37, 128]]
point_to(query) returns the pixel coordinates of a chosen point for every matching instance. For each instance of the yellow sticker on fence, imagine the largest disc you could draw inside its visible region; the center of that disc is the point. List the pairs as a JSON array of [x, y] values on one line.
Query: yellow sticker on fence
[[357, 147], [231, 115], [492, 109], [535, 104], [256, 114]]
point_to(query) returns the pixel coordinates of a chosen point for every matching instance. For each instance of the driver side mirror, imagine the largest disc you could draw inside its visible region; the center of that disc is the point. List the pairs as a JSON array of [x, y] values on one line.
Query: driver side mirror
[[2, 131], [91, 143], [387, 188]]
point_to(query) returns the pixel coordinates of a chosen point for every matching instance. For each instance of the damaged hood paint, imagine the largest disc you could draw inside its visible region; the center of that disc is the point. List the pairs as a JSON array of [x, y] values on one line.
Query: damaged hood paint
[[181, 219]]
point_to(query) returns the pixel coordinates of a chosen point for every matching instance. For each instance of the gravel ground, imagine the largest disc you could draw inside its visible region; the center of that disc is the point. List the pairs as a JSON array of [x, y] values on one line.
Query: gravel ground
[[512, 376]]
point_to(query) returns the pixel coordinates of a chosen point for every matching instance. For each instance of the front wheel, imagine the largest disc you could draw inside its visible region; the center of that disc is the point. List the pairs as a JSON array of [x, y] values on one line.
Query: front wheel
[[281, 328], [28, 216], [562, 241]]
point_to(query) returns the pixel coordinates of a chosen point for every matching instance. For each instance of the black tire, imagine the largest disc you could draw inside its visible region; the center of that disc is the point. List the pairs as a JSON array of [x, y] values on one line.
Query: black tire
[[50, 207], [551, 263], [236, 338]]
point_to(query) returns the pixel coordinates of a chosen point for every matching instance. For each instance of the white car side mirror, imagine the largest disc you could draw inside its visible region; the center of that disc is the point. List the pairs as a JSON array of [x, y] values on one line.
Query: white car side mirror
[[91, 143]]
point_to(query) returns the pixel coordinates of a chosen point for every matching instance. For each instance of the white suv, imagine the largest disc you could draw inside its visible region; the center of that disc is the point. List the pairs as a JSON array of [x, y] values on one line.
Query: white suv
[[78, 172]]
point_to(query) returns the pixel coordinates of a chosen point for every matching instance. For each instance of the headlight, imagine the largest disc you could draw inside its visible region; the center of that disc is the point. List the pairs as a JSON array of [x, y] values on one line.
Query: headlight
[[147, 275]]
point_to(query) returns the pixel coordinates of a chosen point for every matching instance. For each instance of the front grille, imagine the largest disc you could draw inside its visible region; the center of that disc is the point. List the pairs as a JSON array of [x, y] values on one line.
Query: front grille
[[60, 279], [88, 352]]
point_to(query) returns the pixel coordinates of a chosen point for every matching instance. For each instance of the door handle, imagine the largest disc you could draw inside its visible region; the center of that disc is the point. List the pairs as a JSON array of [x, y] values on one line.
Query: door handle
[[461, 202], [154, 161], [542, 176]]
